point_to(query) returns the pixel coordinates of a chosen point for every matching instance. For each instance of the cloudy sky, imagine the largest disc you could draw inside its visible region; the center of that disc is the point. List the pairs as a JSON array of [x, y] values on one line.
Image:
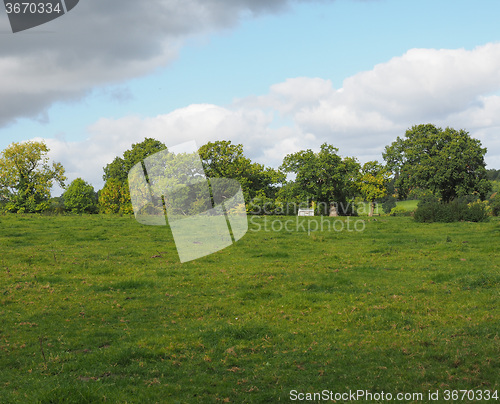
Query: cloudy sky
[[277, 76]]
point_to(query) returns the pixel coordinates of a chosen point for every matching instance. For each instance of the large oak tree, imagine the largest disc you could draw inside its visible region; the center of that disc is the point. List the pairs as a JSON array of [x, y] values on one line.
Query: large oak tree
[[115, 196], [324, 177], [448, 162], [222, 159], [26, 176]]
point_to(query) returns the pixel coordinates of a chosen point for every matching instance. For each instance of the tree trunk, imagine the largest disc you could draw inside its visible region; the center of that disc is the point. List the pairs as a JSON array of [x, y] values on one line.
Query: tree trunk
[[372, 208], [333, 210]]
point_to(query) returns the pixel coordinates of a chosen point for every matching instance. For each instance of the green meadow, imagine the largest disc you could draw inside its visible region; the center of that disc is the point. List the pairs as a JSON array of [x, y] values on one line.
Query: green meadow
[[409, 205], [362, 208], [99, 309]]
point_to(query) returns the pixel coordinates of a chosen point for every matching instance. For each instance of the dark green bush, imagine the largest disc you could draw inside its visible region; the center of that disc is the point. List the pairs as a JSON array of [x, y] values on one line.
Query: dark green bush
[[263, 205], [389, 203], [478, 212], [466, 208], [400, 211], [56, 205]]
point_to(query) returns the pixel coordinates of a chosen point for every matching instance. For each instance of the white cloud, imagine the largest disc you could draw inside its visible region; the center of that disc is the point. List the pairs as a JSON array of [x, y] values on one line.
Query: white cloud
[[423, 84], [447, 87], [105, 42], [292, 95], [109, 138]]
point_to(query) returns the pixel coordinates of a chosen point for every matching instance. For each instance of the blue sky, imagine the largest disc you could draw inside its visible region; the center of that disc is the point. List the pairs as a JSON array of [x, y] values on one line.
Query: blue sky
[[220, 77]]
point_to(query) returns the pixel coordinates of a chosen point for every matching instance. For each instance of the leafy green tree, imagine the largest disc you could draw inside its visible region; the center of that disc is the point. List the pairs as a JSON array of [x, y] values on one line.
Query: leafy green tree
[[80, 197], [324, 177], [448, 162], [372, 183], [120, 166], [495, 187], [493, 175], [26, 177], [176, 182], [289, 200], [115, 197], [222, 159], [388, 201]]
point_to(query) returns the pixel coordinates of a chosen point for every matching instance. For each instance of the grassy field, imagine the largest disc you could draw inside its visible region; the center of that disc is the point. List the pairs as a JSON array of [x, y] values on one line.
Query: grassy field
[[98, 309], [409, 205], [364, 207]]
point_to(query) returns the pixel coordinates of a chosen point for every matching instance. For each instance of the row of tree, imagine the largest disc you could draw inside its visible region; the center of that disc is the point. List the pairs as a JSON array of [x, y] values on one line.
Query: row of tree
[[447, 163], [493, 175]]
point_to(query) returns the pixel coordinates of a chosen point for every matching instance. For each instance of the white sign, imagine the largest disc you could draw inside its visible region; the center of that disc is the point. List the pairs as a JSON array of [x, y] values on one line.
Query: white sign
[[306, 212]]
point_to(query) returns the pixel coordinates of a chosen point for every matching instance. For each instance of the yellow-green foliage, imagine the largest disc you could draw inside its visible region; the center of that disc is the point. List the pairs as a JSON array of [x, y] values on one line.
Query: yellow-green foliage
[[115, 198], [26, 177], [480, 205]]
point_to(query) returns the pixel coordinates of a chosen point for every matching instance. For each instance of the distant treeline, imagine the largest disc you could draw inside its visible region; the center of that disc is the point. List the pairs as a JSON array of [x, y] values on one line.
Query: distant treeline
[[493, 175], [445, 163]]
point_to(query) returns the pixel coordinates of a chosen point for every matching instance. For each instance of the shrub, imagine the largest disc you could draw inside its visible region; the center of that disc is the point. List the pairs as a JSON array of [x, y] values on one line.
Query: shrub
[[24, 202], [477, 211], [466, 208], [389, 204], [495, 204], [399, 211], [262, 205], [80, 197], [56, 205], [115, 198]]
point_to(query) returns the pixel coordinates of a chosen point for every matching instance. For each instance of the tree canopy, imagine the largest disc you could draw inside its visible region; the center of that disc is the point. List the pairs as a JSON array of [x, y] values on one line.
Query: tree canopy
[[324, 177], [120, 166], [493, 175], [80, 197], [373, 182], [26, 176], [428, 160], [448, 162], [222, 159], [115, 196]]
